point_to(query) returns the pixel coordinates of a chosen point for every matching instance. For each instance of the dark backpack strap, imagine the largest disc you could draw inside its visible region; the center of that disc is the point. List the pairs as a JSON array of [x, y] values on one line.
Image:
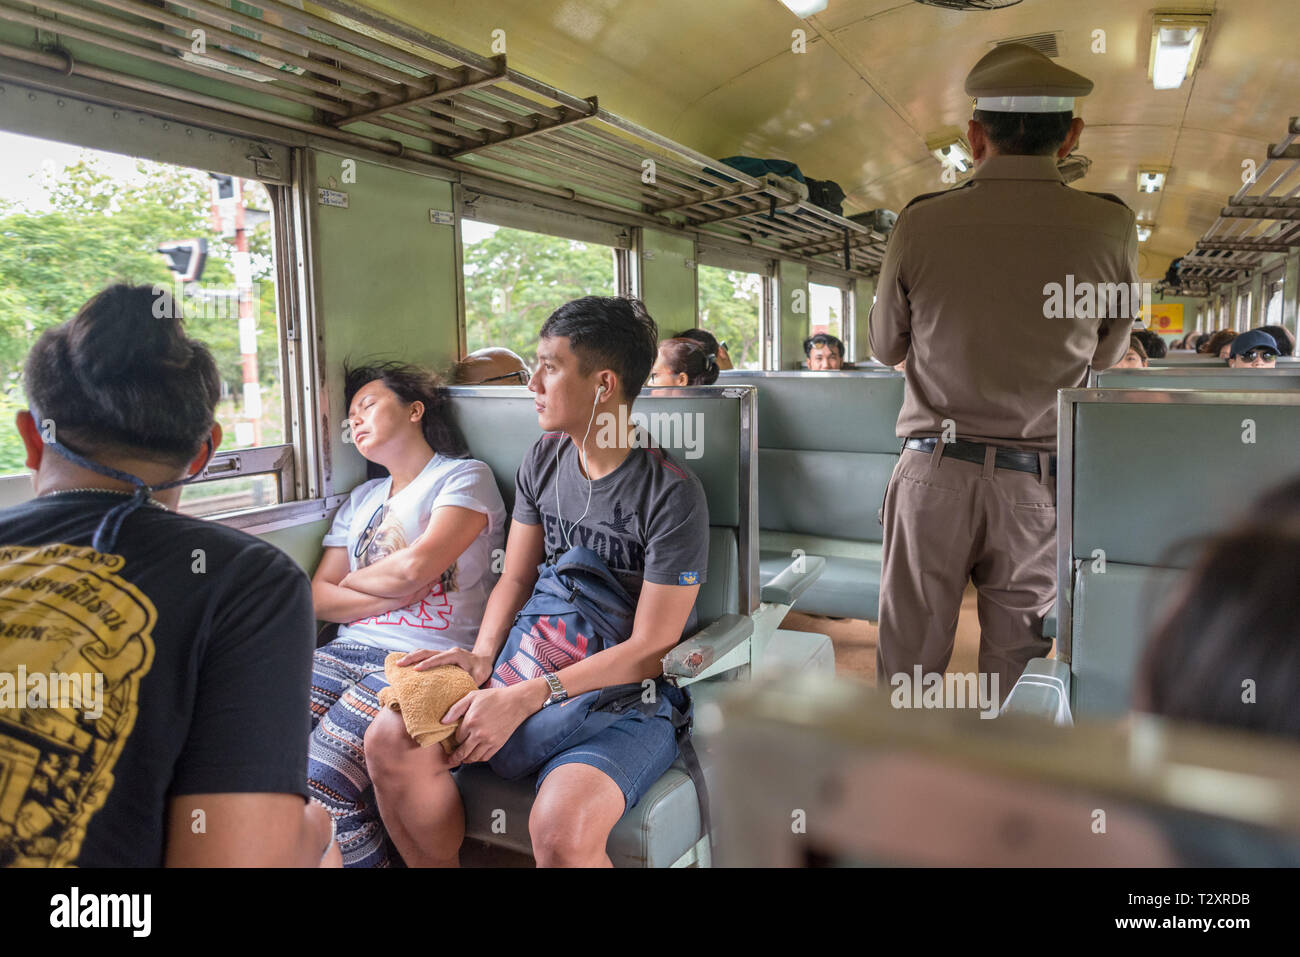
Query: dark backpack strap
[[682, 725]]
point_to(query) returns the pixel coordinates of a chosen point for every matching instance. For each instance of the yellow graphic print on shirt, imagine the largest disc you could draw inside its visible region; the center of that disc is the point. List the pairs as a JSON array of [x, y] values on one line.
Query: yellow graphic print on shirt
[[75, 642]]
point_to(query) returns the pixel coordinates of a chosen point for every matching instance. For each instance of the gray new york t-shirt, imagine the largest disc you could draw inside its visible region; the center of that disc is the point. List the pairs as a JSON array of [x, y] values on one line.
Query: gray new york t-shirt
[[648, 518]]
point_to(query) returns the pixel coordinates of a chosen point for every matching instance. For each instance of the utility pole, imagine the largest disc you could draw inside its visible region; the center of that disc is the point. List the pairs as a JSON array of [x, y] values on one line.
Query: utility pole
[[228, 215]]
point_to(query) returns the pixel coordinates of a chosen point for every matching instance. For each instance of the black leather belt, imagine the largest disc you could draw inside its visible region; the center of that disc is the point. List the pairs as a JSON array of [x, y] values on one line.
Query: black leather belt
[[974, 452]]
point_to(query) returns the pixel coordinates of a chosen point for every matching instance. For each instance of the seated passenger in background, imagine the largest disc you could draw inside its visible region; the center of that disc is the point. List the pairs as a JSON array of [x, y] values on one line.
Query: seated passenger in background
[[1136, 357], [189, 643], [1253, 350], [1153, 343], [712, 345], [647, 518], [683, 362], [407, 567], [825, 352], [494, 365], [1282, 337], [1226, 654], [1217, 344]]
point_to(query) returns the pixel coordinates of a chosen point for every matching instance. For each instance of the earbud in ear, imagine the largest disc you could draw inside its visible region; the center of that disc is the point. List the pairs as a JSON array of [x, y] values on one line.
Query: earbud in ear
[[600, 390]]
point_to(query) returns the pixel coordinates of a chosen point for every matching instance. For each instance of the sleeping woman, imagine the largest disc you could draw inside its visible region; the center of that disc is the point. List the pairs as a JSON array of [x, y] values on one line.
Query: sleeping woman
[[407, 566]]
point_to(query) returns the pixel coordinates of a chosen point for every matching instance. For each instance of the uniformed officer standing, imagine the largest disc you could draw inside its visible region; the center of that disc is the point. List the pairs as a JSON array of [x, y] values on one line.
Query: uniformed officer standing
[[963, 296]]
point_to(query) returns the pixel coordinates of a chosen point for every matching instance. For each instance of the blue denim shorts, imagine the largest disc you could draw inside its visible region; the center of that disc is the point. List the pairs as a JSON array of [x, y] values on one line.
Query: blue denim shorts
[[635, 750]]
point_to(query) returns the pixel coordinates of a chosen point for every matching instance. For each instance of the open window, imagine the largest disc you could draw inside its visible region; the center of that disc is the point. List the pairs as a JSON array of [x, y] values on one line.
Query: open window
[[515, 278], [1273, 287], [74, 220]]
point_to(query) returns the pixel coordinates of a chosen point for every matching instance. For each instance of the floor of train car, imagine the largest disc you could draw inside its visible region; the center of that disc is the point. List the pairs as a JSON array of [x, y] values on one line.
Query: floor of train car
[[855, 658], [855, 640]]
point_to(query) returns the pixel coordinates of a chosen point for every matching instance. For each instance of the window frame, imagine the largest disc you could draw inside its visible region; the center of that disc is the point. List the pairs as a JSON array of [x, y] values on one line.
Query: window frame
[[1275, 276], [276, 166], [848, 304], [479, 206], [716, 257]]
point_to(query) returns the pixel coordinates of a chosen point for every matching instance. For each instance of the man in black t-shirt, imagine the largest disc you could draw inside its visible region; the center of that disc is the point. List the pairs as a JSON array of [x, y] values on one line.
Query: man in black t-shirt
[[154, 668], [182, 664]]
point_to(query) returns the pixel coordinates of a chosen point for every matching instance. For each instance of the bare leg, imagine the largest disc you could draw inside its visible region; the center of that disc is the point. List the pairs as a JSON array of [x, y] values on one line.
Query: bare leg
[[418, 800], [575, 811]]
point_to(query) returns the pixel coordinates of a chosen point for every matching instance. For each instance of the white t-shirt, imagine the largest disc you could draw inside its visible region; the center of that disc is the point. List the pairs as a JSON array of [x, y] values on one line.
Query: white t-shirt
[[449, 615]]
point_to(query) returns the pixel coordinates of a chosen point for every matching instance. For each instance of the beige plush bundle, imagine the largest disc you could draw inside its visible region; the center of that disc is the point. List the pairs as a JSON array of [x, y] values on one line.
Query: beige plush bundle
[[423, 697]]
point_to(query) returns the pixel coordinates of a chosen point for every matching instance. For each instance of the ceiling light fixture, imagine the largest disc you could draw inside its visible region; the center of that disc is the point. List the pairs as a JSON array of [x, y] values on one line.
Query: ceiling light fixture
[[1144, 231], [804, 8], [1176, 40], [952, 151], [1151, 179]]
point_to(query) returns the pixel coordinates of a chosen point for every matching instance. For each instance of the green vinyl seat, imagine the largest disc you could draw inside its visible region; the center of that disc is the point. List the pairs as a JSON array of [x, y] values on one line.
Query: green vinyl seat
[[1145, 476], [827, 450]]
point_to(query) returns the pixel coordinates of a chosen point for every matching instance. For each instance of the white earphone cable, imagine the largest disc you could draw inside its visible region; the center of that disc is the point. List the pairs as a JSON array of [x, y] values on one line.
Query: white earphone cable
[[582, 453]]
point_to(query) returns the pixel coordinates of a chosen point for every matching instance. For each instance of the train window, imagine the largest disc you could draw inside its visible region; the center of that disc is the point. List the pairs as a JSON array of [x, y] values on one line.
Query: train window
[[1272, 290], [1243, 310], [730, 307], [515, 278], [75, 220], [825, 309]]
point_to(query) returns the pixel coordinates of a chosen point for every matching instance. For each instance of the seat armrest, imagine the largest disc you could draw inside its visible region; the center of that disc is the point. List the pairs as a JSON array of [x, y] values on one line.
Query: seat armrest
[[691, 657], [1042, 691], [788, 584]]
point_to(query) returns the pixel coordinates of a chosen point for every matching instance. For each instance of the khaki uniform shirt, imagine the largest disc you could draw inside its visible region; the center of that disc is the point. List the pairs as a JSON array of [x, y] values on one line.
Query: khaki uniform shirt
[[965, 296]]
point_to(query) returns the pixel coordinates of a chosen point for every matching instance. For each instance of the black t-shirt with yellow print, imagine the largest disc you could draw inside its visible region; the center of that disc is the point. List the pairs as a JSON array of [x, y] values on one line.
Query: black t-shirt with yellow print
[[179, 664]]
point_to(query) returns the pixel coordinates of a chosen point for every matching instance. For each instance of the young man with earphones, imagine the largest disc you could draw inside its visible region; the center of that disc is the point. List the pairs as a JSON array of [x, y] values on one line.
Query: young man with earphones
[[645, 515]]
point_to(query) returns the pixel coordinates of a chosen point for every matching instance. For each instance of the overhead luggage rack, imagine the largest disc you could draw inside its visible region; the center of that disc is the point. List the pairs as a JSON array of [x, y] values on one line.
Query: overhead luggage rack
[[356, 77], [1260, 218]]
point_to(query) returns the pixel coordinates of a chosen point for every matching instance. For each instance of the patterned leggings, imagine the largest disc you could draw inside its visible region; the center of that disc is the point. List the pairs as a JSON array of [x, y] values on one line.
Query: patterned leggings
[[345, 685]]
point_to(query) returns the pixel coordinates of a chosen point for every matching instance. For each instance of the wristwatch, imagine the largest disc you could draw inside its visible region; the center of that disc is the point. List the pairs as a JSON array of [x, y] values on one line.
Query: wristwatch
[[557, 690]]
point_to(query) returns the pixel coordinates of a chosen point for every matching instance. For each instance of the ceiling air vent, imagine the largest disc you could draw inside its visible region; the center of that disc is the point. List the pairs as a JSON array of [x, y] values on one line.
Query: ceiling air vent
[[970, 4], [1044, 43]]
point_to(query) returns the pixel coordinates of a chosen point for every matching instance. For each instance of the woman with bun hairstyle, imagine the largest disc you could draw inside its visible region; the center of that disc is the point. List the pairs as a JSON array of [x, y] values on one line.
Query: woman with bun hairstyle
[[684, 362], [407, 567], [191, 642], [710, 343]]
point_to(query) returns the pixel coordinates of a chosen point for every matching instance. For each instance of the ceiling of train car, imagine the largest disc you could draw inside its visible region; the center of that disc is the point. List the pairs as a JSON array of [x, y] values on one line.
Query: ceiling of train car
[[880, 76]]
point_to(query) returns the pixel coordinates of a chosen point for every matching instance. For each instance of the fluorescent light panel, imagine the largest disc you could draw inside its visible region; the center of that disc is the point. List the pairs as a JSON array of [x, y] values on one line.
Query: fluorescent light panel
[[955, 155], [1144, 231], [805, 8], [1150, 181], [1175, 46]]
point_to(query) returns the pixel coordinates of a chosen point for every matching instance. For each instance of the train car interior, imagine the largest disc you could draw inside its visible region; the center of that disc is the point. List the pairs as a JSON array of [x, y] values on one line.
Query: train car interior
[[322, 183]]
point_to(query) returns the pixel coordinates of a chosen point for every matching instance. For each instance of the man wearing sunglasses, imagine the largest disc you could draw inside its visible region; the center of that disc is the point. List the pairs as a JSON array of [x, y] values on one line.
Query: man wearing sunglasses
[[491, 366], [1255, 349]]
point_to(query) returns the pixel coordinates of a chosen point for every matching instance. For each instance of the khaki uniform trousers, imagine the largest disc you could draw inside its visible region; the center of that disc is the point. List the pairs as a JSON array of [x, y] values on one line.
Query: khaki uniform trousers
[[947, 520]]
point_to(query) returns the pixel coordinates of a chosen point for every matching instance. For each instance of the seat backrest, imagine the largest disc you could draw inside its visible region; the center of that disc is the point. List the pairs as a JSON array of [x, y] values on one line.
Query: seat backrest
[[1185, 360], [883, 785], [1173, 361], [709, 429], [1141, 473], [1219, 377], [826, 449]]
